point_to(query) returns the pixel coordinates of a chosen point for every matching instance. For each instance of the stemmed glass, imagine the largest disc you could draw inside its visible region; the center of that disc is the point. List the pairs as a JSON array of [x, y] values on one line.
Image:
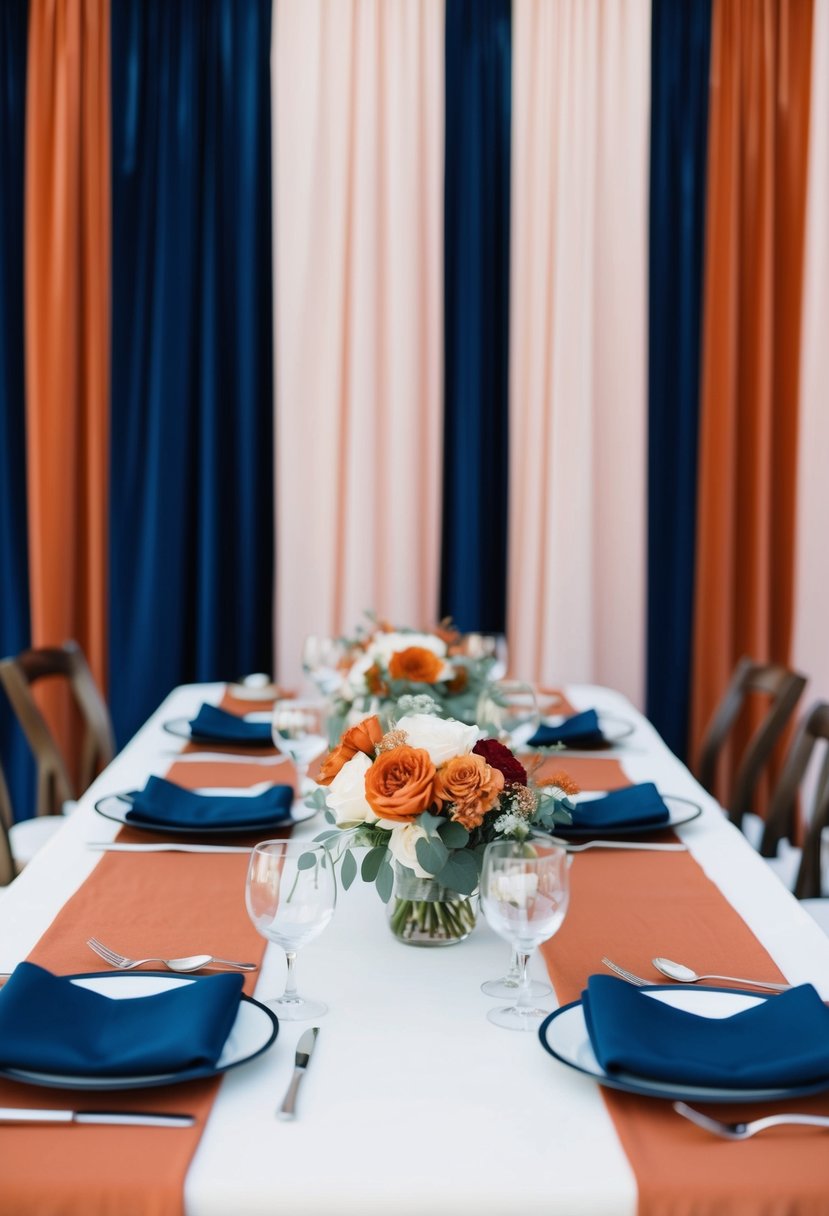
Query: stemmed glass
[[290, 896], [525, 890], [300, 731], [321, 659], [487, 646]]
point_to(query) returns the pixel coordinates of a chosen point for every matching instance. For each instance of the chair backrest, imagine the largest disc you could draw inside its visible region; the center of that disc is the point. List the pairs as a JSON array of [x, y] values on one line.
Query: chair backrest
[[780, 821], [7, 870], [54, 784], [783, 688]]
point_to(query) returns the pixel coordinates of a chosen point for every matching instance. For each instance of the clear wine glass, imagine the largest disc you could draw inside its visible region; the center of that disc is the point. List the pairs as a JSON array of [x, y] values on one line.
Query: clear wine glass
[[524, 895], [290, 894], [300, 731], [487, 646], [509, 711], [321, 661]]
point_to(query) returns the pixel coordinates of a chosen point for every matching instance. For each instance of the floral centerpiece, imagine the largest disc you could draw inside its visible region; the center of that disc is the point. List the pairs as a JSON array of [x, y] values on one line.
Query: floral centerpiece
[[384, 663], [425, 799]]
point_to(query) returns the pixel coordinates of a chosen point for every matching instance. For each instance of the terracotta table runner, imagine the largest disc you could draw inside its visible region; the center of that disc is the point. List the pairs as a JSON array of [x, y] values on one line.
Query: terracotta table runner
[[631, 907], [171, 902]]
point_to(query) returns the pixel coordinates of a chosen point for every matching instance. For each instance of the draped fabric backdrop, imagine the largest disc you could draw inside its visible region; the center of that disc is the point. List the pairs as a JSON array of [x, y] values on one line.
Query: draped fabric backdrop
[[476, 314], [578, 334], [810, 648], [758, 145], [14, 567], [358, 169], [681, 41], [192, 472], [67, 299]]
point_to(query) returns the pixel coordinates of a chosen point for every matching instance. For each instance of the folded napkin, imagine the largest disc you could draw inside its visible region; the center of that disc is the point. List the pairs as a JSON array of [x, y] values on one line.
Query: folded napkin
[[634, 806], [168, 805], [218, 726], [582, 730], [783, 1041], [51, 1025]]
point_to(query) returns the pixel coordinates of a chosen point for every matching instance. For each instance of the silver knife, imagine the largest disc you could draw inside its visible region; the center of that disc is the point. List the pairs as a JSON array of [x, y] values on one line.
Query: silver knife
[[131, 1118], [104, 846], [303, 1054]]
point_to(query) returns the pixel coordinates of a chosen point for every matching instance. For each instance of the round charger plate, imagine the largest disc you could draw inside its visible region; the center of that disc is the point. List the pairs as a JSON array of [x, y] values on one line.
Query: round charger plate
[[180, 727], [680, 811], [116, 806], [564, 1035], [615, 730], [253, 1032]]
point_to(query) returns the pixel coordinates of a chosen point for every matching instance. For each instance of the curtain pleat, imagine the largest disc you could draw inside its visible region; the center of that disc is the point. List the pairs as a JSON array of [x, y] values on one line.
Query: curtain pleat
[[358, 221], [578, 346], [476, 314], [811, 642], [757, 160], [67, 304], [14, 598], [680, 46], [191, 533]]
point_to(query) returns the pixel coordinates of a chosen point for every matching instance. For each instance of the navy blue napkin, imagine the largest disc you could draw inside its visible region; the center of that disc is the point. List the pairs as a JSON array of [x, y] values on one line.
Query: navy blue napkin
[[50, 1025], [163, 803], [218, 726], [634, 806], [782, 1042], [582, 730]]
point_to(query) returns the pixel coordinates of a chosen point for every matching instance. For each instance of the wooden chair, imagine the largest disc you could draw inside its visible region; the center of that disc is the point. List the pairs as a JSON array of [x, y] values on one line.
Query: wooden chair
[[783, 688], [7, 867], [812, 733], [17, 675]]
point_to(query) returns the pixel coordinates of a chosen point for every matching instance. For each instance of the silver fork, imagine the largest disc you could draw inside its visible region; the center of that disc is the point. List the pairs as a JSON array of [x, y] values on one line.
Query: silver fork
[[619, 844], [190, 962], [743, 1131], [628, 975]]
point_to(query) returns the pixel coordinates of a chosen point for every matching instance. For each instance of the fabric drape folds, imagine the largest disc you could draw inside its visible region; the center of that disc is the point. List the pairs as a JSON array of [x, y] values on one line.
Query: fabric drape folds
[[810, 650], [358, 167], [192, 463], [578, 325], [14, 599], [758, 146], [67, 316], [476, 314], [681, 40]]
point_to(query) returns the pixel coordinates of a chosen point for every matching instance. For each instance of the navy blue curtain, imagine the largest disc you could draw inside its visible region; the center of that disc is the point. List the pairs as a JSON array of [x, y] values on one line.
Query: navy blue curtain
[[681, 38], [476, 313], [14, 566], [191, 481]]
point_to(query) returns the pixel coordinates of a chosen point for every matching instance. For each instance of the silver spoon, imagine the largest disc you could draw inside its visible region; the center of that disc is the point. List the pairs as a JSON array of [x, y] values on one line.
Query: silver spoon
[[684, 975], [742, 1131]]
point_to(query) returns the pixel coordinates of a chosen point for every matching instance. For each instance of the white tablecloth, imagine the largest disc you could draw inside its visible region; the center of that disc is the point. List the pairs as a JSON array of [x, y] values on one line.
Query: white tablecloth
[[414, 1102]]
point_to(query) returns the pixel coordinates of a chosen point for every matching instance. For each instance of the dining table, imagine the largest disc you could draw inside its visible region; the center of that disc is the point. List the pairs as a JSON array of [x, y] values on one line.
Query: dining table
[[413, 1102]]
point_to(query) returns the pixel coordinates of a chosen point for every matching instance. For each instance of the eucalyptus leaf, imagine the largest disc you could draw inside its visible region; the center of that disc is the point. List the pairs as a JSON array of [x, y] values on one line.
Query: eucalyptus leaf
[[432, 853], [460, 873], [385, 881], [430, 823], [453, 835], [348, 871], [372, 862], [306, 861]]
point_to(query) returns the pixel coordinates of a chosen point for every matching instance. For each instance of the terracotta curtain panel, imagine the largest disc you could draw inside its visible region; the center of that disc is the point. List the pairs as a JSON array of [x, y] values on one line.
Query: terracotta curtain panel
[[358, 239], [758, 150], [578, 341], [67, 252]]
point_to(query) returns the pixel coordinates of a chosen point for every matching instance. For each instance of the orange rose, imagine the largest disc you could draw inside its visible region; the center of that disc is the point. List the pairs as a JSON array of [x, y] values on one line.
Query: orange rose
[[415, 664], [375, 682], [400, 784], [472, 785], [360, 738], [458, 682]]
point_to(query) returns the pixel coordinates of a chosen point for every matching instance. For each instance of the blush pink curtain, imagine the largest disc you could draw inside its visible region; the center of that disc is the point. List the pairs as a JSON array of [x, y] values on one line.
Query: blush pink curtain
[[578, 341], [358, 226], [810, 650]]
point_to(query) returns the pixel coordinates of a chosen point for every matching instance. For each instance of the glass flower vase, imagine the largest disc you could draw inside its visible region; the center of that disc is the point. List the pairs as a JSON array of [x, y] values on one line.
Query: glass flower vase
[[423, 913]]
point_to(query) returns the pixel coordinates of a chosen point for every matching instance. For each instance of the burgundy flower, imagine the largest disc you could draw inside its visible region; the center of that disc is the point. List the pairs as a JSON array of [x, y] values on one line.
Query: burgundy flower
[[500, 757]]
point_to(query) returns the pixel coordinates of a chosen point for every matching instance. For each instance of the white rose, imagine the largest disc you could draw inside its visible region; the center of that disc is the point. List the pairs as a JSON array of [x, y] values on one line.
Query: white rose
[[442, 738], [384, 645], [355, 681], [346, 795], [517, 889], [403, 845]]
